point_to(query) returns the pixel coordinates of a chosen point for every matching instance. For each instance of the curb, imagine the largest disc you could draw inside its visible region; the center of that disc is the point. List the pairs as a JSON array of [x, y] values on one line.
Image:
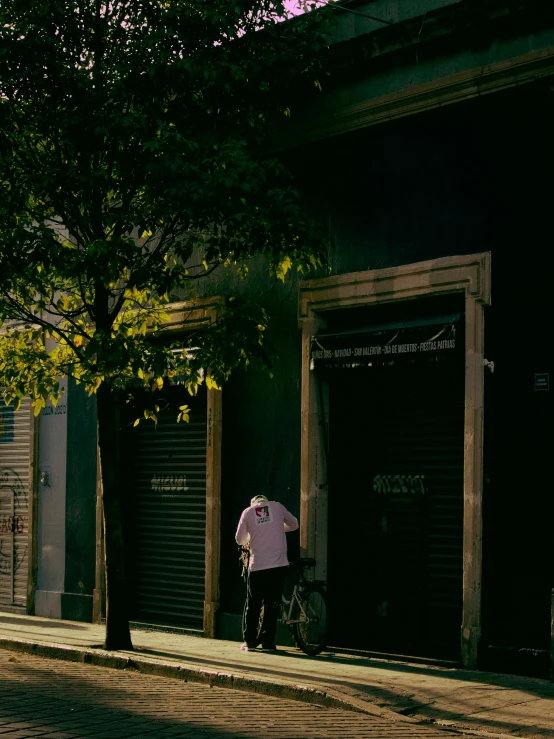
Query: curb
[[468, 730], [120, 661]]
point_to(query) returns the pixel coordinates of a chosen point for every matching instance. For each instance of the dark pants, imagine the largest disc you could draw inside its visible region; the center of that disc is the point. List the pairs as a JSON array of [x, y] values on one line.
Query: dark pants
[[265, 587]]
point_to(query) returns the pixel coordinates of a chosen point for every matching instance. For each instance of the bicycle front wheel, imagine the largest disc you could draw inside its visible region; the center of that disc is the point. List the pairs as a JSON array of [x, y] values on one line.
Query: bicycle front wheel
[[310, 631]]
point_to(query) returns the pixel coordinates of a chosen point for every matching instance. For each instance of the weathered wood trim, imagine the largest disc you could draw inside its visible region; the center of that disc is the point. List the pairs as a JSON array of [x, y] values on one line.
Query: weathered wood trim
[[99, 595], [419, 98], [467, 274], [33, 513], [213, 511], [444, 275], [552, 635], [190, 315], [187, 316], [473, 482], [313, 469]]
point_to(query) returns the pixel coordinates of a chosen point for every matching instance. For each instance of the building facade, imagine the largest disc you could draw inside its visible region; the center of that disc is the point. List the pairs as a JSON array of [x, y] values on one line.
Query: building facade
[[423, 471], [408, 421]]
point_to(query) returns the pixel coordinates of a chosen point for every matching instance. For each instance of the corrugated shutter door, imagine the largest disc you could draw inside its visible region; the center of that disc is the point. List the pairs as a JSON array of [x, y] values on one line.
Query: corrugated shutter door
[[396, 456], [15, 452], [168, 515], [421, 439]]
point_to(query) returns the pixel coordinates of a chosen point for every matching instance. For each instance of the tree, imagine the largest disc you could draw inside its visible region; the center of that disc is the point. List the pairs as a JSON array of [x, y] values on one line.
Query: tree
[[135, 144]]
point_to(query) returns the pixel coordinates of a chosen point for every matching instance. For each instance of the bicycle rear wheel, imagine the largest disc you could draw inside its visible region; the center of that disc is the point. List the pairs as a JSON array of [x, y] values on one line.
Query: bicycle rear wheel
[[310, 631]]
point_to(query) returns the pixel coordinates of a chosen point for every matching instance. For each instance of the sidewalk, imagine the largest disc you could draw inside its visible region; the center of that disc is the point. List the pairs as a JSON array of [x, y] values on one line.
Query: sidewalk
[[489, 703]]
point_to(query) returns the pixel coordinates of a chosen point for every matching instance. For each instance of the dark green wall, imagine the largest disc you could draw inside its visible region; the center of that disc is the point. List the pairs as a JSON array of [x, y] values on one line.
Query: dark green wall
[[80, 509], [464, 179], [261, 422]]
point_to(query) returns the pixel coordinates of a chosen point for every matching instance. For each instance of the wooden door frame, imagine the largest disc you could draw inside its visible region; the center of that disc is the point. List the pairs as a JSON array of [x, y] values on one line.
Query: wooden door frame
[[193, 316], [470, 275], [32, 574], [188, 316]]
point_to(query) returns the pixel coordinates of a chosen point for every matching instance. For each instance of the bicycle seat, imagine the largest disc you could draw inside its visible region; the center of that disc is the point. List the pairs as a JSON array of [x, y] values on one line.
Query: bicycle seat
[[305, 562]]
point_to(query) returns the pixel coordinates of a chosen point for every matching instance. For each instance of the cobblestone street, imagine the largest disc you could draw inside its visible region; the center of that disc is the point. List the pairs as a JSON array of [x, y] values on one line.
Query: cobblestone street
[[60, 700]]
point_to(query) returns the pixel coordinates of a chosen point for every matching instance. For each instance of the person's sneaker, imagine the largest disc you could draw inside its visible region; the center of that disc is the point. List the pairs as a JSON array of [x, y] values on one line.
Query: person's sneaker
[[247, 646], [268, 648]]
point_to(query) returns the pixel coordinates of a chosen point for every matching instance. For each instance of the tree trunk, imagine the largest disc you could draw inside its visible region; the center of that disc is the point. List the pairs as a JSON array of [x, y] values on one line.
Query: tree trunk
[[118, 635]]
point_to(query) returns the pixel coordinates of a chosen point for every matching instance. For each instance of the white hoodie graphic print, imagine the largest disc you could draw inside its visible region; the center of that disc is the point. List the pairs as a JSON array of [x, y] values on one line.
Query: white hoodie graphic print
[[262, 528]]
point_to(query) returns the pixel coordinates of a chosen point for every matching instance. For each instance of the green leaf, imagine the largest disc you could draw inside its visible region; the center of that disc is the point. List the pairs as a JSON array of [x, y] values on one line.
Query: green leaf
[[283, 267], [117, 127]]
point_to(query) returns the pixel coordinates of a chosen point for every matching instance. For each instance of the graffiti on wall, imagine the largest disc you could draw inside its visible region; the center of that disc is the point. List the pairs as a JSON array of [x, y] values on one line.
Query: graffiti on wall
[[167, 484], [13, 521], [399, 484]]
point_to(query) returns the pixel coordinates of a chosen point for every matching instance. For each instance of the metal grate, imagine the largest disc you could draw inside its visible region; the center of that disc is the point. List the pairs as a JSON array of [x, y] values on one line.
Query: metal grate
[[167, 506], [15, 451], [396, 507]]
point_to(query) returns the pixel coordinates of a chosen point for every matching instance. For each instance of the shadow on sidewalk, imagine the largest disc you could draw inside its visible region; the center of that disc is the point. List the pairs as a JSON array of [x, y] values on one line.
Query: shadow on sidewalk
[[49, 623], [533, 686], [481, 701]]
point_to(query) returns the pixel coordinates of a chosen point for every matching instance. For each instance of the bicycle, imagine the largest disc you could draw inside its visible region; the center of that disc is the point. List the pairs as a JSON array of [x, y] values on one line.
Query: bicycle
[[305, 613]]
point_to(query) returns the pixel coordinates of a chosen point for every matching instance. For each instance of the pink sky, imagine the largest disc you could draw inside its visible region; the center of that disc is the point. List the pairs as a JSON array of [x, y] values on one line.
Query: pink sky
[[293, 5]]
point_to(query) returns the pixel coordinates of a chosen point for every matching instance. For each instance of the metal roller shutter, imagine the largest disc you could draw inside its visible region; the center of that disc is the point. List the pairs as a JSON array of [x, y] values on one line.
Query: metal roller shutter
[[421, 440], [15, 452], [167, 469], [397, 451]]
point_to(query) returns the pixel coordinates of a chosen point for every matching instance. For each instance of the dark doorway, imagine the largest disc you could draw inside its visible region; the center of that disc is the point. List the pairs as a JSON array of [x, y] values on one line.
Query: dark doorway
[[396, 506]]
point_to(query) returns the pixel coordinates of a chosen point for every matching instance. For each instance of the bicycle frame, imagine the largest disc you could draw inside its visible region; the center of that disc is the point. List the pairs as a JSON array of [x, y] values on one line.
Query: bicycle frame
[[287, 606], [286, 617]]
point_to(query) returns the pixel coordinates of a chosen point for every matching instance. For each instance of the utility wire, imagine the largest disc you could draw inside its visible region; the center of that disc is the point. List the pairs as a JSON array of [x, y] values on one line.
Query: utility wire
[[356, 12]]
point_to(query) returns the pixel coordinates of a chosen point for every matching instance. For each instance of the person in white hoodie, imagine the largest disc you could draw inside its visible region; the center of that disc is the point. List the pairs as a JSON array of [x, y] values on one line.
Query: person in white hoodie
[[262, 529]]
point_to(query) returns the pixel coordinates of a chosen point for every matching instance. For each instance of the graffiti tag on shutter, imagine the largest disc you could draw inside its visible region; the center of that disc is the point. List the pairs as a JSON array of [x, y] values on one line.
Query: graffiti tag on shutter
[[399, 484], [13, 524], [165, 484], [16, 524]]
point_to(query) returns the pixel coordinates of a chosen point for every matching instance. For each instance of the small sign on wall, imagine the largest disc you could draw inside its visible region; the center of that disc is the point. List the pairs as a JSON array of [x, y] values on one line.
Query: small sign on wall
[[542, 381]]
